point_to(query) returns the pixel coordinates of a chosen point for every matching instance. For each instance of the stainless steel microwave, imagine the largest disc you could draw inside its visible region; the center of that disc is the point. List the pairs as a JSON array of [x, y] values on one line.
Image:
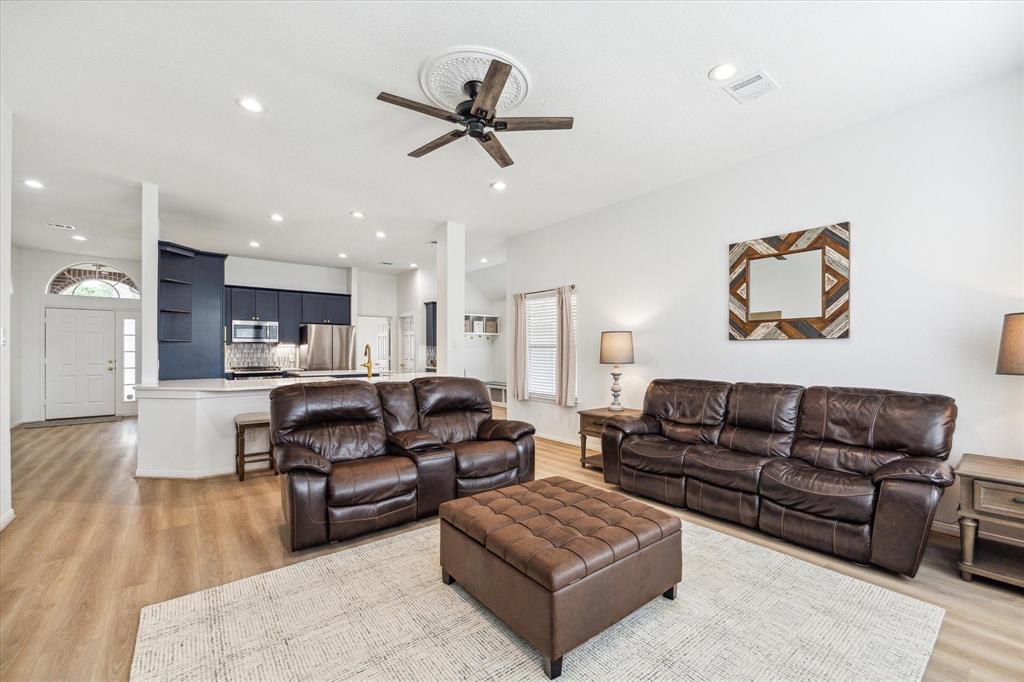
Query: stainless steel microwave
[[253, 331]]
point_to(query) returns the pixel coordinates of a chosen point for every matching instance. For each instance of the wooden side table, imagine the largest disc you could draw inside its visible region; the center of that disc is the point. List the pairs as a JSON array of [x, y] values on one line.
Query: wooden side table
[[591, 424], [991, 489]]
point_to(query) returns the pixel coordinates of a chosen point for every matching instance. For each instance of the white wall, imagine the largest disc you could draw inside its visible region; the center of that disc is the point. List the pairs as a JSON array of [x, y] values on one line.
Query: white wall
[[484, 356], [934, 198], [32, 272], [414, 289], [6, 318], [271, 274]]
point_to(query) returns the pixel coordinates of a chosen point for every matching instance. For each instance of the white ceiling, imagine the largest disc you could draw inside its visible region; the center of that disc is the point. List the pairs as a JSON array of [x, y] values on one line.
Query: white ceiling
[[108, 94]]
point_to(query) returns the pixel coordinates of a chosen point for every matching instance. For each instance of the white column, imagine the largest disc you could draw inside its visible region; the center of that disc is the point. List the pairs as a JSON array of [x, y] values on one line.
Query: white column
[[6, 183], [149, 348], [451, 298]]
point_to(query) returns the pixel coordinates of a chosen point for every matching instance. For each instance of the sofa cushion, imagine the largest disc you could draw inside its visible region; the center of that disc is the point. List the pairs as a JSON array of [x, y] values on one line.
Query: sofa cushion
[[761, 418], [340, 420], [832, 494], [373, 479], [689, 410], [479, 458], [654, 454], [452, 408], [725, 468], [860, 429]]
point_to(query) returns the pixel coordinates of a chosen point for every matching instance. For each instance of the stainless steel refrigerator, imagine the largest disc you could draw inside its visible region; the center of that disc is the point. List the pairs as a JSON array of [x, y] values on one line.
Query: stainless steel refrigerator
[[327, 346]]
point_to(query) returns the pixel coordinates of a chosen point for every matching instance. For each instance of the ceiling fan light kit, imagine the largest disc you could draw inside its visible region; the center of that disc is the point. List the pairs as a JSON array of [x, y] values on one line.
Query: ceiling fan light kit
[[502, 83]]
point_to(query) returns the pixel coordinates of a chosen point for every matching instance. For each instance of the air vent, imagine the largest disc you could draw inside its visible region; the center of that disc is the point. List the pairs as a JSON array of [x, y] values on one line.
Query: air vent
[[61, 226], [387, 262], [751, 87]]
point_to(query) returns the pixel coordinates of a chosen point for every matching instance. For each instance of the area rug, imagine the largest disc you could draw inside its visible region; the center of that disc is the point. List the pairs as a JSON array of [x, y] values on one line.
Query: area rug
[[380, 612], [71, 422]]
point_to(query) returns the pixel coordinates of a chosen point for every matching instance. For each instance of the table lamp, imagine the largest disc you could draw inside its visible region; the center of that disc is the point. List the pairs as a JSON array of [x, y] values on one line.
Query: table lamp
[[616, 349], [1011, 345]]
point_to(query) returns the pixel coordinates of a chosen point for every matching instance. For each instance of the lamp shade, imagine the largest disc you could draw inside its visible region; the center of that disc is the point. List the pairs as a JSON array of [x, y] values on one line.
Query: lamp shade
[[1011, 345], [616, 348]]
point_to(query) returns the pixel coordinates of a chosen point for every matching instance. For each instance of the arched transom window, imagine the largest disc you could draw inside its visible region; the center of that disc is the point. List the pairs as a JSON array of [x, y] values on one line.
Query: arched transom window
[[93, 279]]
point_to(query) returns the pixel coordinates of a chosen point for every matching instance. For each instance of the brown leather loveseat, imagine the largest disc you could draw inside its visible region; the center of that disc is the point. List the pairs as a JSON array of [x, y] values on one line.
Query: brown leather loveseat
[[357, 457], [851, 471]]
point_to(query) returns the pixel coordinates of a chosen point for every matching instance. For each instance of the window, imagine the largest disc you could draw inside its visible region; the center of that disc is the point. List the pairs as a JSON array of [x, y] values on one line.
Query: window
[[128, 360], [541, 343], [92, 279]]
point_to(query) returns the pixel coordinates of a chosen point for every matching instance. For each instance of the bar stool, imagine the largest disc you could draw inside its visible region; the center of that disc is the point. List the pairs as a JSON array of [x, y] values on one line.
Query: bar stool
[[244, 422]]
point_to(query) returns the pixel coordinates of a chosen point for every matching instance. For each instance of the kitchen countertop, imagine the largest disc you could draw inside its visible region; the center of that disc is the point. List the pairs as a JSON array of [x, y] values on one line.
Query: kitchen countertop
[[260, 383]]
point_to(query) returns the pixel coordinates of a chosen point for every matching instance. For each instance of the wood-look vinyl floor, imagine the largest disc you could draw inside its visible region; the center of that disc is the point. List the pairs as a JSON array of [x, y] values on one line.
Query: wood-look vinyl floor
[[91, 545]]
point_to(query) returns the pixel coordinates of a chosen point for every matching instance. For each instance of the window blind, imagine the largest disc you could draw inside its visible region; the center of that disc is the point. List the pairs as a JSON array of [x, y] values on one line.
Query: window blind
[[542, 343]]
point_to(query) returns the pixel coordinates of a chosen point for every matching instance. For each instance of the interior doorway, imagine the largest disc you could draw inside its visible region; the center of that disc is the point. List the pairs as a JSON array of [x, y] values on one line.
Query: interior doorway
[[407, 351], [80, 363], [375, 331]]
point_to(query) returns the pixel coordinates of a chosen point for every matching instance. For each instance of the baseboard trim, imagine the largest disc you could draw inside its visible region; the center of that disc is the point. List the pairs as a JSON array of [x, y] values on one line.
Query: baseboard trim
[[6, 518], [189, 474]]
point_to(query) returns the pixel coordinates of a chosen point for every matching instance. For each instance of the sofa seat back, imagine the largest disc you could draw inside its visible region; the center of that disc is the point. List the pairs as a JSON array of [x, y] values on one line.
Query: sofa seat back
[[857, 430], [340, 420], [451, 408], [689, 410], [761, 419]]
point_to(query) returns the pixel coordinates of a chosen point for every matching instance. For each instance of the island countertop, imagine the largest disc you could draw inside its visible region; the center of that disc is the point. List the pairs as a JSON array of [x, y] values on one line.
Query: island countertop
[[259, 383]]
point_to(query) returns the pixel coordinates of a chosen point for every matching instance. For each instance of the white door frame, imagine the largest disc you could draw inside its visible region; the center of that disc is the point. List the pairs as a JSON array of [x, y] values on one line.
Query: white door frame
[[48, 351]]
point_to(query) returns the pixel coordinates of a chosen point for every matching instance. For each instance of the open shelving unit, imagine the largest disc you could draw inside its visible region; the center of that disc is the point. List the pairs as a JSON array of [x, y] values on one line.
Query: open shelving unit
[[175, 299], [481, 325]]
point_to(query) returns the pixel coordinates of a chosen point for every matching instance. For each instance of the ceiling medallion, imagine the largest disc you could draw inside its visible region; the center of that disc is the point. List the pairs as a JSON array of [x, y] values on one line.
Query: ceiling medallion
[[442, 76]]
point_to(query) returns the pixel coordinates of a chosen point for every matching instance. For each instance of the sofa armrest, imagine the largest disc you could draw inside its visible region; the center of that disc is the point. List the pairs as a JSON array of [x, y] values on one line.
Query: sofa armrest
[[504, 429], [291, 457], [414, 440], [635, 426], [435, 469], [916, 469]]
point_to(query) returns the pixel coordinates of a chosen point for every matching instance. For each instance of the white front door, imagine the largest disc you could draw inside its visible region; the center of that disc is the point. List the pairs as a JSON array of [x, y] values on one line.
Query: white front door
[[408, 362], [80, 363]]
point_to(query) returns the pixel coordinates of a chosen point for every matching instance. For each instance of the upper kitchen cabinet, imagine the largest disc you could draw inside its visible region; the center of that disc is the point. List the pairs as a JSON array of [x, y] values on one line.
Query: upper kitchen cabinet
[[243, 304], [289, 312], [313, 309], [265, 304], [337, 309]]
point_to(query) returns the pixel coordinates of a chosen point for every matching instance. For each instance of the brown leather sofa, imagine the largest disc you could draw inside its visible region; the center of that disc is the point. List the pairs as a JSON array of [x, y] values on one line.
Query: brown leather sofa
[[357, 457], [851, 471]]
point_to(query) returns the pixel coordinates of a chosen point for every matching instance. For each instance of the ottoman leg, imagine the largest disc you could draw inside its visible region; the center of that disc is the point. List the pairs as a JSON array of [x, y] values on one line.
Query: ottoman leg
[[446, 577], [670, 593], [552, 667]]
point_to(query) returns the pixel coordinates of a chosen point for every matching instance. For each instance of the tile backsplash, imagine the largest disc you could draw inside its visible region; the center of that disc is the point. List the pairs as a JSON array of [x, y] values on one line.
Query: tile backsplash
[[260, 355]]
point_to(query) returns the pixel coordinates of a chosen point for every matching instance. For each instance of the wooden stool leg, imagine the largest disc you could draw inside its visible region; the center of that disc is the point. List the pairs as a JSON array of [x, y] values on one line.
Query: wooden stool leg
[[240, 453]]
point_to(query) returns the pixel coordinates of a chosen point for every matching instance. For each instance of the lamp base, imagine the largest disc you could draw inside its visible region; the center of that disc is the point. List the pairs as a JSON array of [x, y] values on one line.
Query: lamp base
[[616, 406]]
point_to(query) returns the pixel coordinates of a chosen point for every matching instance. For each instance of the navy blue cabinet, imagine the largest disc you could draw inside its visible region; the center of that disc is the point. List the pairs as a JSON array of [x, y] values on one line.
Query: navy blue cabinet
[[191, 305], [313, 309], [431, 323], [337, 309], [243, 304], [289, 311], [265, 304]]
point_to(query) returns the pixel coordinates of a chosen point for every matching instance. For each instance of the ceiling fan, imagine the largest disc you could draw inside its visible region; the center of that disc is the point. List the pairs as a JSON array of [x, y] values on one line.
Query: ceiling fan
[[477, 114]]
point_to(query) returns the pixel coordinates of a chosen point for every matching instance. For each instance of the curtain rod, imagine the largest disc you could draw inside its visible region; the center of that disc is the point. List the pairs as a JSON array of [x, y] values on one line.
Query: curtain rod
[[544, 291]]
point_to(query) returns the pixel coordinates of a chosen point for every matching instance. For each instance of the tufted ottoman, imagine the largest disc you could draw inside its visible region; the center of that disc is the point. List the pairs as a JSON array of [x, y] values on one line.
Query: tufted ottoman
[[559, 561]]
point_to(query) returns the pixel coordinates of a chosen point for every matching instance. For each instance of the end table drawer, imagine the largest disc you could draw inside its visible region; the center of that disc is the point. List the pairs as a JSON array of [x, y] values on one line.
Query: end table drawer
[[999, 498], [591, 424]]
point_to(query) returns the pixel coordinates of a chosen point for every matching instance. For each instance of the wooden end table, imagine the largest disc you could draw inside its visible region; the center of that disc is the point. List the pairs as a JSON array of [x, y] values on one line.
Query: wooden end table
[[991, 489], [591, 424]]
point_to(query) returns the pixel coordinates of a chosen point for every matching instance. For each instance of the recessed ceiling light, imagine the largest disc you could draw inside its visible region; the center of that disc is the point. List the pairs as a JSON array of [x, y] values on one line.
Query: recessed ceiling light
[[254, 245], [276, 217], [357, 214], [251, 104], [722, 72], [498, 186], [381, 235], [33, 183], [483, 260], [78, 238], [413, 265], [342, 255]]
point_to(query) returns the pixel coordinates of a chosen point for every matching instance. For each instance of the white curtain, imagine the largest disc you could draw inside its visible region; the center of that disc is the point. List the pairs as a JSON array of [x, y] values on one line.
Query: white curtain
[[565, 368], [519, 350]]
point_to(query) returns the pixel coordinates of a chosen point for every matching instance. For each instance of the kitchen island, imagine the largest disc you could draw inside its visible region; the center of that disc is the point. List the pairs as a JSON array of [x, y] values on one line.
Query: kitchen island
[[187, 426]]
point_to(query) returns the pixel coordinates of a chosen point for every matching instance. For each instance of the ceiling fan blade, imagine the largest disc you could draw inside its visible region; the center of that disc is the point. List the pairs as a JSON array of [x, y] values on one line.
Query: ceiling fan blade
[[534, 123], [417, 106], [438, 143], [490, 91], [494, 148]]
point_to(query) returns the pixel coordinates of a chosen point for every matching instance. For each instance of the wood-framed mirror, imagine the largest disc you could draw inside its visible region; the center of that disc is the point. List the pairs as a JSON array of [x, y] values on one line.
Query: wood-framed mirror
[[791, 286]]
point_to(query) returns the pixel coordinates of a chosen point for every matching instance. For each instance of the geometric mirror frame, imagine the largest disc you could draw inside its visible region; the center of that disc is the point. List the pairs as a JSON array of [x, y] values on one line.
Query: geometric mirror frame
[[832, 317]]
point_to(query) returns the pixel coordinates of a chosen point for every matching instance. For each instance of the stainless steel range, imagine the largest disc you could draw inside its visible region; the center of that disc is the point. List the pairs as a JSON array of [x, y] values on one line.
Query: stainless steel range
[[242, 372]]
